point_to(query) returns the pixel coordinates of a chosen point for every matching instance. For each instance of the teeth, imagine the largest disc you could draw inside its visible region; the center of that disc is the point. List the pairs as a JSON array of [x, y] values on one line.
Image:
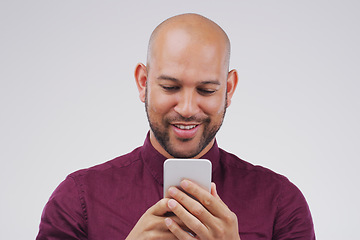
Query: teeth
[[183, 127]]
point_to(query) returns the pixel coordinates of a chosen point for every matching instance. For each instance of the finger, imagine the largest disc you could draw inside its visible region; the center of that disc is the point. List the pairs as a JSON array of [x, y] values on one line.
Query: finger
[[158, 212], [158, 224], [161, 235], [187, 218], [179, 222], [215, 194], [177, 230], [160, 208], [191, 205], [209, 201], [213, 190]]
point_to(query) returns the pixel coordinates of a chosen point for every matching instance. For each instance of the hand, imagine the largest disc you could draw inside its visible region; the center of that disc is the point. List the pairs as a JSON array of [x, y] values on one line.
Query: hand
[[211, 219], [151, 225]]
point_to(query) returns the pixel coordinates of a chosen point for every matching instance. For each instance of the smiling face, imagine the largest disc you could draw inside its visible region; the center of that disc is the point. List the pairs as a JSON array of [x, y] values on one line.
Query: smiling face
[[187, 91]]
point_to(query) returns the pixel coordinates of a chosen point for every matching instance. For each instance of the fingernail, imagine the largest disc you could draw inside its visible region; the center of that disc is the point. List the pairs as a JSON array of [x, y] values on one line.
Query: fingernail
[[168, 221], [172, 191], [184, 184], [172, 203]]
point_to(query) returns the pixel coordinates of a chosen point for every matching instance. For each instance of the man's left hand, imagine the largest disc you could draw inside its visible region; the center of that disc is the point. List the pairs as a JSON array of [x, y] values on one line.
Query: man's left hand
[[208, 218]]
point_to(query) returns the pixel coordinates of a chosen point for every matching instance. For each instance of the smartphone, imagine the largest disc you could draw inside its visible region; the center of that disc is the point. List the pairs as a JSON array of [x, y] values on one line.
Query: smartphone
[[195, 170]]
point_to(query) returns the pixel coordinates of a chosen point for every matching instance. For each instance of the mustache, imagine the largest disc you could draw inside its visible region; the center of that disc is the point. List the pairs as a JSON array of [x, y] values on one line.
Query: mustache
[[195, 118]]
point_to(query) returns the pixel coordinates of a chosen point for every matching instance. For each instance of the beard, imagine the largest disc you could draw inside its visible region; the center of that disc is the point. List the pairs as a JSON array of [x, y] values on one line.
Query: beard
[[161, 130]]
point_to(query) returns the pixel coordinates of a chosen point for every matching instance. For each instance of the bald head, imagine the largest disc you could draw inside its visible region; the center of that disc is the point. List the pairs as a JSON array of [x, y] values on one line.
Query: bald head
[[188, 29]]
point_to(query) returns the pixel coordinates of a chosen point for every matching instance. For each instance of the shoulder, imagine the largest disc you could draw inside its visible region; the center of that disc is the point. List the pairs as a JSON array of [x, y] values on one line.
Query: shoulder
[[260, 179], [121, 163], [73, 183], [292, 216], [233, 163]]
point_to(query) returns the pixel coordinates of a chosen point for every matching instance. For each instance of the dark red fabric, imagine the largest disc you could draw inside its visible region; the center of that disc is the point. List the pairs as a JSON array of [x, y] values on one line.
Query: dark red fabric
[[105, 201]]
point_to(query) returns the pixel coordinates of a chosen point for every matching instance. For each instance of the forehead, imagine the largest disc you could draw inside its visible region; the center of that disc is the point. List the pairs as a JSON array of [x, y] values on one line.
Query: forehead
[[190, 54]]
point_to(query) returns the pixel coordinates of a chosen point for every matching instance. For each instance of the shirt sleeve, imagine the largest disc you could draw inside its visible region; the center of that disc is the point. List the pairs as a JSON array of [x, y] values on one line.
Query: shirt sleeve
[[64, 215], [293, 219]]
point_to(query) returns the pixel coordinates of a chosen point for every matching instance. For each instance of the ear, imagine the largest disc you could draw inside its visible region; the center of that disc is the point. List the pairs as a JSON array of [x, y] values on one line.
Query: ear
[[232, 81], [140, 79]]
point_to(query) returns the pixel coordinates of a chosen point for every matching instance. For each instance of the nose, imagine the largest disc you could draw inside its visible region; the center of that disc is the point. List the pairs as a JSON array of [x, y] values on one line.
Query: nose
[[187, 104]]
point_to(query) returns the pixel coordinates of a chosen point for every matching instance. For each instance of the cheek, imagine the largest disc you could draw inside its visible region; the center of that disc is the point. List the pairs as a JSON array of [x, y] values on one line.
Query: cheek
[[160, 103], [213, 105]]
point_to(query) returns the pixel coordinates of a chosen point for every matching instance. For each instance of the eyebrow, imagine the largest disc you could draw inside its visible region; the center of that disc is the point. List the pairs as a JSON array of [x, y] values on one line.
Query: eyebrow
[[165, 77]]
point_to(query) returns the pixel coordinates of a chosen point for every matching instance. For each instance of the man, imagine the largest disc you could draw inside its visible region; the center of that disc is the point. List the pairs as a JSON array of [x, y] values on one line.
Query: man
[[186, 87]]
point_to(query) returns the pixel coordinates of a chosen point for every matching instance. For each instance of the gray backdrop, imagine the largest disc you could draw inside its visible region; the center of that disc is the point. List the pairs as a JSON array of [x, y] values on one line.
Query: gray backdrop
[[68, 99]]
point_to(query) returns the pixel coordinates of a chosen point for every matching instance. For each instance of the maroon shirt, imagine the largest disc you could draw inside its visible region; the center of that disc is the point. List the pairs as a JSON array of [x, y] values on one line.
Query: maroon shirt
[[105, 201]]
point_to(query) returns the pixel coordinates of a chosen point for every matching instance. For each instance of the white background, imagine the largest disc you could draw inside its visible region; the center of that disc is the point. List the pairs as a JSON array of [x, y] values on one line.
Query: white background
[[68, 99]]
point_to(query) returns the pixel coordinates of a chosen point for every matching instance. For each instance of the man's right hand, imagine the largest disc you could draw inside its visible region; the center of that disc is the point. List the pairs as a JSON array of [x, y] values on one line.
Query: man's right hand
[[151, 225]]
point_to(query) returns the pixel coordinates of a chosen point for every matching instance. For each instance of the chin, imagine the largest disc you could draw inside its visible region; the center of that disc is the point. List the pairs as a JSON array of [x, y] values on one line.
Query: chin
[[184, 152], [184, 156]]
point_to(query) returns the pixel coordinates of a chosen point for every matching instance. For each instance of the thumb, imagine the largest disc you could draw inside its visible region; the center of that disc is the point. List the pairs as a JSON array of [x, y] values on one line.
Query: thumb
[[213, 190], [215, 194], [160, 208]]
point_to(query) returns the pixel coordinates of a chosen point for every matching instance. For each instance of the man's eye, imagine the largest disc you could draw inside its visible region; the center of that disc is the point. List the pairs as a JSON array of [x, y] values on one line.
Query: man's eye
[[170, 88], [204, 91]]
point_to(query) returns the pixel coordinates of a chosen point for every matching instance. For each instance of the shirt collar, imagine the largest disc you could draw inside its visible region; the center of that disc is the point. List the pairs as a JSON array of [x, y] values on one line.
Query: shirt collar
[[154, 161]]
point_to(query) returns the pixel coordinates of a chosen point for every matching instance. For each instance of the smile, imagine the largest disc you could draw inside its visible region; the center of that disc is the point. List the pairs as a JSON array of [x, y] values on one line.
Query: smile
[[185, 132], [185, 127]]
